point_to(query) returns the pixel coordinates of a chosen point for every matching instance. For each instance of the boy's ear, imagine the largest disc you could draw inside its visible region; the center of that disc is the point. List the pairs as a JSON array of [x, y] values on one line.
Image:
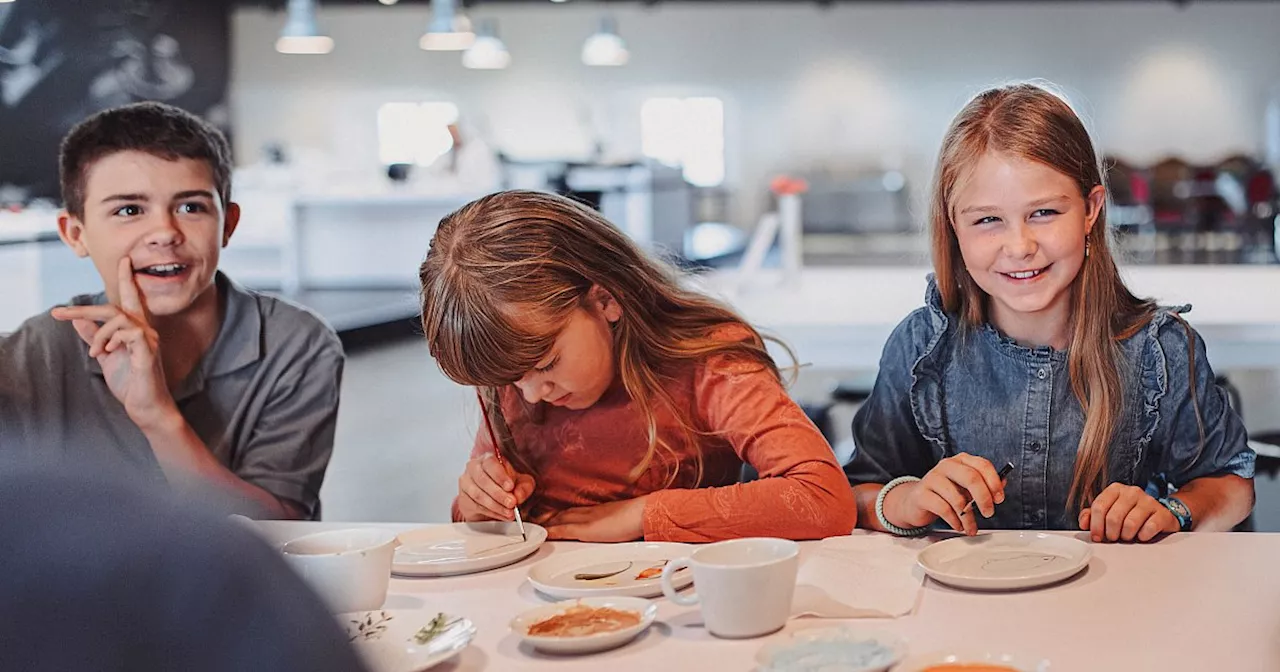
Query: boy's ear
[[71, 231], [230, 222]]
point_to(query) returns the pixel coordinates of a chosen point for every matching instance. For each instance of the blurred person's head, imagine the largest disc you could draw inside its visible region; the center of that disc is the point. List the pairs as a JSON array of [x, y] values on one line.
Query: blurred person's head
[[152, 183], [102, 575], [1019, 235], [542, 293]]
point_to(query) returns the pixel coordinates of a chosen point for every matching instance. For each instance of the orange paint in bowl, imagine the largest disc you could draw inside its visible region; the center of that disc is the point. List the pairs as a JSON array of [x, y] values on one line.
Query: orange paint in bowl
[[969, 667]]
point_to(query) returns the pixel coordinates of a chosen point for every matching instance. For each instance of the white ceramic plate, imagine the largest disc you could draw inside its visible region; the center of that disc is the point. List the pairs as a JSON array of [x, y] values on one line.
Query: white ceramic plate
[[463, 548], [564, 575], [842, 648], [921, 662], [1005, 560], [647, 610], [386, 638]]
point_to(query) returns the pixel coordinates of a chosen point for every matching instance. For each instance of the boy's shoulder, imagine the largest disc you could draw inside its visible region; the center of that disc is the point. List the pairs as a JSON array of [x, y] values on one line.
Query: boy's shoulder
[[40, 347], [283, 326]]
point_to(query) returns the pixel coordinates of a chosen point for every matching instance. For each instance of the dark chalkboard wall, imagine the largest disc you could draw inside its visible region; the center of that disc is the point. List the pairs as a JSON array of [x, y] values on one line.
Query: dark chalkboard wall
[[62, 60]]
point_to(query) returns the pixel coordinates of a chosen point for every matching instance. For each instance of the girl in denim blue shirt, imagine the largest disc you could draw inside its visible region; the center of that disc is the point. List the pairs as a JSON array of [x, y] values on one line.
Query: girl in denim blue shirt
[[1031, 351]]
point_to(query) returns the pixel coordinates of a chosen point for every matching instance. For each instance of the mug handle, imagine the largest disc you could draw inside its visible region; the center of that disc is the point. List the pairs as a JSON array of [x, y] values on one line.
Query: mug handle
[[669, 590]]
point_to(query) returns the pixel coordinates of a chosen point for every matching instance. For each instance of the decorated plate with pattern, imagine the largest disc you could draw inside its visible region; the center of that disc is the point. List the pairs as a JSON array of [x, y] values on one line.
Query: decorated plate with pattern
[[406, 640]]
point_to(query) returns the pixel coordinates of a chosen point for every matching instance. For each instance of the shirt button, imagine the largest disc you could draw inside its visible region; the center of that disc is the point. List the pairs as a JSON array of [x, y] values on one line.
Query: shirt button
[[1035, 445], [1042, 374]]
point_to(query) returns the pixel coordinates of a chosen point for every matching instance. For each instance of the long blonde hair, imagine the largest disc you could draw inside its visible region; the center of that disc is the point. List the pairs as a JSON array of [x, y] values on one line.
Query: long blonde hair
[[1030, 122], [505, 272]]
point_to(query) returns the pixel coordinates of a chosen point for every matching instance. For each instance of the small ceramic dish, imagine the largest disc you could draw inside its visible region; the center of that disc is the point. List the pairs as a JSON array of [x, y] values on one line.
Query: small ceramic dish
[[600, 641]]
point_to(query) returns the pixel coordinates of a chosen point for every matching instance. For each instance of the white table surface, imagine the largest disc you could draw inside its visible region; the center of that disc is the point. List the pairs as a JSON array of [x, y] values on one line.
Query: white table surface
[[1194, 602], [839, 317]]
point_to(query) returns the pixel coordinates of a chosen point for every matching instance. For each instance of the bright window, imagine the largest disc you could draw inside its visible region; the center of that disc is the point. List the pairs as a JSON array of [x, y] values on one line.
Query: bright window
[[686, 132], [415, 132]]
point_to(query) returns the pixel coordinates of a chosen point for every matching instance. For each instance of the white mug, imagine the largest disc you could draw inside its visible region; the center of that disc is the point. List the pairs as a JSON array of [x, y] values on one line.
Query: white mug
[[745, 585], [350, 569]]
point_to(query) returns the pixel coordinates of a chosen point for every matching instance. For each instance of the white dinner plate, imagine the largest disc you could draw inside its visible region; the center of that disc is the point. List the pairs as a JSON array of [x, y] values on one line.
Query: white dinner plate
[[564, 575], [463, 548], [389, 640], [647, 611], [1005, 560]]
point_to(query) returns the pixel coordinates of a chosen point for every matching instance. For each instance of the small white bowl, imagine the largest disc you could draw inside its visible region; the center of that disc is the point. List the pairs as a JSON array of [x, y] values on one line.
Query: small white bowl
[[920, 662], [350, 569], [838, 648], [590, 643]]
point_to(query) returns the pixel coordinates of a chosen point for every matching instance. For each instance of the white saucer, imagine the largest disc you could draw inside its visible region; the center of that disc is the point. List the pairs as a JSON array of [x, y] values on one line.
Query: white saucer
[[555, 576], [463, 548], [590, 643], [385, 638], [1005, 560]]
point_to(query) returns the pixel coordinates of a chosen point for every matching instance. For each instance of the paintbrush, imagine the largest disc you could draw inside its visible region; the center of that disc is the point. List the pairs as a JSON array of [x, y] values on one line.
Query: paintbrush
[[1004, 471], [497, 453]]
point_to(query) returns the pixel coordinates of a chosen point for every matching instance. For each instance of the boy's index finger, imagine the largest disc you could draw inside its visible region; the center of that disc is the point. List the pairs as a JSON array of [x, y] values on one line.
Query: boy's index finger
[[127, 287]]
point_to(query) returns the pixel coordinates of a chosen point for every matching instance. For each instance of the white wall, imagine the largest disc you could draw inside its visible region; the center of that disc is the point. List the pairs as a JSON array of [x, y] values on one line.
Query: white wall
[[855, 85]]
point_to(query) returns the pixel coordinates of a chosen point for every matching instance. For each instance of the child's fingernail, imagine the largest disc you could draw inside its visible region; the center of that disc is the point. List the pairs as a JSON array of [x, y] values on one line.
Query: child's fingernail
[[507, 485]]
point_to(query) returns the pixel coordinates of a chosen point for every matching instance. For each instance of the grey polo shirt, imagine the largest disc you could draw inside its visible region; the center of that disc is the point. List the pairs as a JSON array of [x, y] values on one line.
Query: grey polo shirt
[[264, 398]]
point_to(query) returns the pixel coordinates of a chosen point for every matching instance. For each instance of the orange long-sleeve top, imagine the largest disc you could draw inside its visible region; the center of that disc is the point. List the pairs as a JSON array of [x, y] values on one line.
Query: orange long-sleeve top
[[585, 457]]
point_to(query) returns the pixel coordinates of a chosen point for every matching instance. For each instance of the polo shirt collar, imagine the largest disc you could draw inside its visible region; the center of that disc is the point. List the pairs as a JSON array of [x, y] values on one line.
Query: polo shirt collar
[[237, 345]]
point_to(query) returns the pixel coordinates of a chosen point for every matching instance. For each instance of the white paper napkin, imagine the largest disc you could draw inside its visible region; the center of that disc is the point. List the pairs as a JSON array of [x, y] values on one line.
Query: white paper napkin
[[864, 575]]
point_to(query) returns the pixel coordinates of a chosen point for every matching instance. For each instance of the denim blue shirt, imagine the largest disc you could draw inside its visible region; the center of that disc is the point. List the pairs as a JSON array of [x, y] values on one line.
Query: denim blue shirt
[[944, 389]]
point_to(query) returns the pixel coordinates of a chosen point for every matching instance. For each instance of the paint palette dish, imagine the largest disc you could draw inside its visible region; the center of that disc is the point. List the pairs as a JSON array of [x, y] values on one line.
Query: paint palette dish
[[587, 625], [633, 569], [1005, 560]]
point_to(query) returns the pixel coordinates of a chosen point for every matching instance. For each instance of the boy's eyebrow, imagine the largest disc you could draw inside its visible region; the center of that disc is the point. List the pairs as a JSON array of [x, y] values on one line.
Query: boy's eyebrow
[[125, 197], [194, 193]]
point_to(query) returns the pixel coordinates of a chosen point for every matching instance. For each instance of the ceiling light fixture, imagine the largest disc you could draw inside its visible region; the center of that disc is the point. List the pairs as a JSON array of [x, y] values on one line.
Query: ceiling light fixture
[[300, 34], [487, 52], [605, 48], [449, 29]]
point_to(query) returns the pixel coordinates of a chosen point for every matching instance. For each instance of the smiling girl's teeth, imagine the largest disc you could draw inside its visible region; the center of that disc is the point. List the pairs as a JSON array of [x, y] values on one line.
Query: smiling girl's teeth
[[1023, 275]]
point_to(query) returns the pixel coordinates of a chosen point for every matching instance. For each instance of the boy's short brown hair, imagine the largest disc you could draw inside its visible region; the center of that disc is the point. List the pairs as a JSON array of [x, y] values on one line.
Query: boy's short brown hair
[[155, 128]]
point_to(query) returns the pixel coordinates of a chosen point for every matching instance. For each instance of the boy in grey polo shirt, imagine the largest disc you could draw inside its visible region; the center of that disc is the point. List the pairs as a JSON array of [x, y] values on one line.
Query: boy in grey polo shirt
[[175, 370]]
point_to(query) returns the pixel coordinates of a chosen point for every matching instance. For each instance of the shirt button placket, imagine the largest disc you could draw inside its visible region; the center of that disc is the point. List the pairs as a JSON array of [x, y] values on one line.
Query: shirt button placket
[[1035, 488]]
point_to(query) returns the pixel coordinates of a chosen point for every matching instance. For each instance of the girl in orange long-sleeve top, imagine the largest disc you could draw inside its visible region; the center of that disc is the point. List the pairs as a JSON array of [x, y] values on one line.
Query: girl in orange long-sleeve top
[[624, 405]]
